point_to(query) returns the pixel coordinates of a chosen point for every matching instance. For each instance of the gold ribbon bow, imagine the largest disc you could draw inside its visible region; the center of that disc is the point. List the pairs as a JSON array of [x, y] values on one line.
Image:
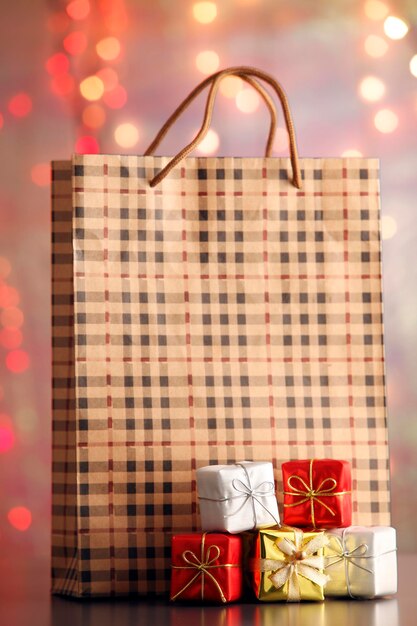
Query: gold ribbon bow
[[202, 566], [309, 493], [299, 561]]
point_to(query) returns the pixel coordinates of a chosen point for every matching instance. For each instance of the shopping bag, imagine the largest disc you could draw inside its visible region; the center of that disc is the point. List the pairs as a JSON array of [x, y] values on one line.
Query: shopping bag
[[206, 310]]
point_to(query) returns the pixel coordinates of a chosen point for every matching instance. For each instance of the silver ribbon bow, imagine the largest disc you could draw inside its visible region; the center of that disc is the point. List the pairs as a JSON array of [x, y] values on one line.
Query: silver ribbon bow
[[300, 560]]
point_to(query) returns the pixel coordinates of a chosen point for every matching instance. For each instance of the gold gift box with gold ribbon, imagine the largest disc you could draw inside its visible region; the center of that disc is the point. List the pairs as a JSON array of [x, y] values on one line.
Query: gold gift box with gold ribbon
[[288, 565]]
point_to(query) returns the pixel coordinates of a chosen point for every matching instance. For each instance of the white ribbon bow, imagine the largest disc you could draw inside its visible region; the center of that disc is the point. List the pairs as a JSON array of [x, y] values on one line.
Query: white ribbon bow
[[299, 561]]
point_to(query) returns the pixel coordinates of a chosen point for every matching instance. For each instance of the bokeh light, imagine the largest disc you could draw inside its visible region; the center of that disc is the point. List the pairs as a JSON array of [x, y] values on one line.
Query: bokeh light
[[372, 88], [386, 121], [1, 121], [57, 64], [376, 10], [62, 85], [57, 22], [7, 438], [11, 317], [126, 135], [11, 338], [413, 65], [247, 100], [108, 49], [92, 88], [395, 27], [205, 12], [375, 46], [116, 98], [94, 116], [17, 361], [9, 296], [210, 143], [78, 9], [41, 174], [351, 152], [87, 145], [207, 61], [230, 86], [20, 105], [20, 518], [108, 77], [75, 43], [388, 227]]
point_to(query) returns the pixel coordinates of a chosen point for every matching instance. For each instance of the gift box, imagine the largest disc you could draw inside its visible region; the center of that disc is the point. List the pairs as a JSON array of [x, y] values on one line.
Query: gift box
[[288, 565], [237, 497], [361, 562], [206, 567], [317, 493]]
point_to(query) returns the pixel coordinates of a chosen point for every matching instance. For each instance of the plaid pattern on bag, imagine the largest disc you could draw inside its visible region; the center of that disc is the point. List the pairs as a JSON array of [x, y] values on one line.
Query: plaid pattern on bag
[[222, 315]]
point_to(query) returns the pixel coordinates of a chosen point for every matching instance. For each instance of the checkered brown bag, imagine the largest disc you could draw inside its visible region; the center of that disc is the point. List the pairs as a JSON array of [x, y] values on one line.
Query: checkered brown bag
[[206, 310]]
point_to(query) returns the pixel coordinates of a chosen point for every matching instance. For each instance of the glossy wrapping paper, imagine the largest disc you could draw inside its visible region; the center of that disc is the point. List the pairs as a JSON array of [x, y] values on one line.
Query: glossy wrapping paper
[[206, 567], [361, 561], [237, 497], [317, 493], [266, 548]]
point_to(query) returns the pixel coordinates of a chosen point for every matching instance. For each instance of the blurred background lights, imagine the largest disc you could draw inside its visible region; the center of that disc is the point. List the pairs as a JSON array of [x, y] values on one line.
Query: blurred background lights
[[11, 317], [230, 86], [116, 98], [247, 100], [20, 518], [57, 64], [94, 116], [20, 105], [92, 88], [108, 49], [9, 296], [388, 226], [207, 61], [376, 10], [7, 438], [87, 145], [17, 361], [78, 9], [386, 121], [41, 174], [375, 46], [205, 12], [210, 143], [413, 65], [1, 121], [58, 22], [126, 135], [75, 43], [372, 88], [11, 338], [351, 152], [108, 77], [395, 27], [62, 85]]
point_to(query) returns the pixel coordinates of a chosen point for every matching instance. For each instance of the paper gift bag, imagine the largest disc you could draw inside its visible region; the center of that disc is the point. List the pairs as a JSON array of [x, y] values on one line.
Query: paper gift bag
[[206, 310]]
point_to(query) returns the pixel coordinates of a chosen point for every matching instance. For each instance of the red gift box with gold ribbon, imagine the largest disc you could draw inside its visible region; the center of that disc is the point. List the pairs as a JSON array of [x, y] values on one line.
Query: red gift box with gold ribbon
[[317, 493], [206, 567]]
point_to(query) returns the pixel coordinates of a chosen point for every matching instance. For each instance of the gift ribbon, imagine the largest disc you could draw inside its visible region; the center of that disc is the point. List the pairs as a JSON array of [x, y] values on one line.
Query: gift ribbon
[[349, 556], [299, 560], [309, 493], [202, 566], [265, 489]]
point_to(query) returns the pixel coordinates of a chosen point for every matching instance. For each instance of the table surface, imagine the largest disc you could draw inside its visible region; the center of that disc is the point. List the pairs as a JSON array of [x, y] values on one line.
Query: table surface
[[25, 601]]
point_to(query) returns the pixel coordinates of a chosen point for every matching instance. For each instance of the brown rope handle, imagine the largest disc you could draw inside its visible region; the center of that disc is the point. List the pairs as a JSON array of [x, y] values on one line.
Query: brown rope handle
[[197, 90], [239, 71]]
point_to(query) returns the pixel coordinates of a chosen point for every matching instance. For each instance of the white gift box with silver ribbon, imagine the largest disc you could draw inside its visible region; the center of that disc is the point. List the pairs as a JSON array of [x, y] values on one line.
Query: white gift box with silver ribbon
[[361, 561], [237, 497]]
